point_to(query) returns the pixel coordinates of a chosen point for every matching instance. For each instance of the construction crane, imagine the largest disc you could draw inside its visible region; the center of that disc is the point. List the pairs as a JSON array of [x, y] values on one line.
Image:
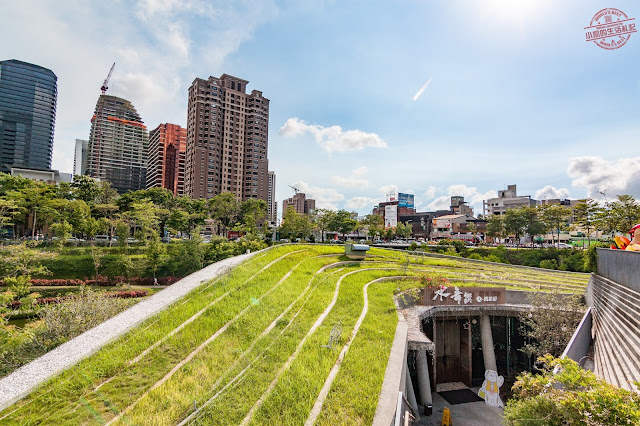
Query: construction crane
[[106, 80], [294, 188]]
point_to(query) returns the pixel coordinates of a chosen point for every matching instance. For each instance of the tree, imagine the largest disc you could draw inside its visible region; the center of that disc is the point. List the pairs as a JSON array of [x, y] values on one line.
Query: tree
[[495, 226], [62, 231], [253, 212], [225, 208], [8, 210], [624, 213], [295, 225], [585, 213], [473, 228], [374, 224], [404, 229], [515, 223], [322, 218], [20, 262], [556, 217], [155, 253], [142, 215], [550, 323], [84, 188], [96, 257], [342, 223], [30, 201], [534, 225]]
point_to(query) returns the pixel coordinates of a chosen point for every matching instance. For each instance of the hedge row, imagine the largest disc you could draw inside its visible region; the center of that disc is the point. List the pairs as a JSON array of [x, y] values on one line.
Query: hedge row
[[49, 300], [101, 281]]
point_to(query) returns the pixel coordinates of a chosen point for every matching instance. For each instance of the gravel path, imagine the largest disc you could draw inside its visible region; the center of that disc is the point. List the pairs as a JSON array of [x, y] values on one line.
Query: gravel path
[[22, 381]]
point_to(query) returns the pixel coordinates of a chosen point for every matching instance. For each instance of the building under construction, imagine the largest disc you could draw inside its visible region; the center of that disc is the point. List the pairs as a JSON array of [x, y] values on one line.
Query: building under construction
[[118, 145]]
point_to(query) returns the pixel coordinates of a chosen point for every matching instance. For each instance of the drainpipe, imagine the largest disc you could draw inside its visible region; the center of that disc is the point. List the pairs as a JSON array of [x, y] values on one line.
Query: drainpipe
[[424, 384], [488, 351], [411, 395]]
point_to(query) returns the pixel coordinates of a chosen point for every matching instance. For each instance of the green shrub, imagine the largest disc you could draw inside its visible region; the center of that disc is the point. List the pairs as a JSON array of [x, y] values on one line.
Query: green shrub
[[573, 396], [549, 264]]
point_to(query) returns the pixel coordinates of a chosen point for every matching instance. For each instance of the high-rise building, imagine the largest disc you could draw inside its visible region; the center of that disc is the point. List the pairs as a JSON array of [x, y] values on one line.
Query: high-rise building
[[272, 205], [165, 163], [227, 139], [80, 157], [28, 95], [300, 203], [118, 145]]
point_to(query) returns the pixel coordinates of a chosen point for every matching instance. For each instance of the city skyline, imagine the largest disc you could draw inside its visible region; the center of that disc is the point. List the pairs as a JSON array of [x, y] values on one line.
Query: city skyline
[[367, 98]]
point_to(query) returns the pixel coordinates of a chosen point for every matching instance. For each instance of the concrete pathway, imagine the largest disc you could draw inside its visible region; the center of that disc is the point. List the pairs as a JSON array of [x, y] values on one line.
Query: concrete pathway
[[469, 414], [24, 380]]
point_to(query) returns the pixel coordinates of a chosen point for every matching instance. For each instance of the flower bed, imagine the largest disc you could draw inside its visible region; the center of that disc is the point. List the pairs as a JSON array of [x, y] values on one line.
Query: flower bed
[[49, 300]]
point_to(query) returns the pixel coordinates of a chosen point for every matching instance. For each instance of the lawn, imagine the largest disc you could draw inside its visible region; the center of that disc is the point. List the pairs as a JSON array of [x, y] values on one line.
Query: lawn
[[251, 346]]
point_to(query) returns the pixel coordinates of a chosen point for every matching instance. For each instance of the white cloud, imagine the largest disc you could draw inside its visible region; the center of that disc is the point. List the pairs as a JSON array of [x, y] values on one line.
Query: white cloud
[[430, 193], [332, 139], [326, 198], [599, 175], [353, 181], [470, 193], [422, 89], [440, 203], [550, 192], [357, 203], [388, 189]]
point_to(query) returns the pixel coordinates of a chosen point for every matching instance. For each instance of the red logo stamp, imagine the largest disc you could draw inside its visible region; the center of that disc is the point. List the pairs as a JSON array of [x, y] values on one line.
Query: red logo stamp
[[610, 28]]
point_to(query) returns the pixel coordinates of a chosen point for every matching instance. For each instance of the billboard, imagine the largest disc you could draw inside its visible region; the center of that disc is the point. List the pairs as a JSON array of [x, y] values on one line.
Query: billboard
[[406, 200], [390, 216]]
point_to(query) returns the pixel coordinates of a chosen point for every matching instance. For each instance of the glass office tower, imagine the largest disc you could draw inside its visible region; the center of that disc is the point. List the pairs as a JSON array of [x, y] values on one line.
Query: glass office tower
[[28, 95]]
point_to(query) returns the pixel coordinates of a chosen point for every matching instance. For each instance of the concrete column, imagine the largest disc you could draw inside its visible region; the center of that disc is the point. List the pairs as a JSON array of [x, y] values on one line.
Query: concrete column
[[488, 350], [424, 384], [411, 395]]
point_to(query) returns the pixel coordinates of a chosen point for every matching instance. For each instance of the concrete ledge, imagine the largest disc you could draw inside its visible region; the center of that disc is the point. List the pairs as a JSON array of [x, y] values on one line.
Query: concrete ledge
[[25, 379], [621, 266], [580, 342], [394, 377]]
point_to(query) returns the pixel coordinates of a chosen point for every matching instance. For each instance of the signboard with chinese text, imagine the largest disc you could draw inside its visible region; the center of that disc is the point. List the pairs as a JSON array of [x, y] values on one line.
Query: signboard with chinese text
[[390, 216], [463, 296]]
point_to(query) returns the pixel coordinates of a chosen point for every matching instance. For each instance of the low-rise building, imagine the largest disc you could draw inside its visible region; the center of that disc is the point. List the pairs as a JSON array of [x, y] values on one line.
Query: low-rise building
[[507, 199], [51, 177]]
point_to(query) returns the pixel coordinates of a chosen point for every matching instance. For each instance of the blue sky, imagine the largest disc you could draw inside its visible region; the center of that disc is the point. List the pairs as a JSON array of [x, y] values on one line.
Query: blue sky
[[516, 94]]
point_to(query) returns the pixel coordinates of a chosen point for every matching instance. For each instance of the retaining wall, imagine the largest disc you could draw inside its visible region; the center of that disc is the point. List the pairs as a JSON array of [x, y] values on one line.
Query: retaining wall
[[621, 266]]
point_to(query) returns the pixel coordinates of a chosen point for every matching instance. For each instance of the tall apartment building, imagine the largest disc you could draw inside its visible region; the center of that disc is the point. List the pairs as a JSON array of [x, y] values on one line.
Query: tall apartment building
[[272, 204], [80, 157], [118, 145], [300, 203], [165, 163], [227, 139], [28, 96]]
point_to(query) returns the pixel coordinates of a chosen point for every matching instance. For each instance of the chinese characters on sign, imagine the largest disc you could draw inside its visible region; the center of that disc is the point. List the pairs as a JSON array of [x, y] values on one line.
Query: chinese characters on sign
[[610, 28], [455, 295]]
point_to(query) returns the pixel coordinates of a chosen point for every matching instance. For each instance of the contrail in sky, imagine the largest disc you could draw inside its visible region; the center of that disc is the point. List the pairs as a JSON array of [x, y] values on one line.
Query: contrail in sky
[[417, 95]]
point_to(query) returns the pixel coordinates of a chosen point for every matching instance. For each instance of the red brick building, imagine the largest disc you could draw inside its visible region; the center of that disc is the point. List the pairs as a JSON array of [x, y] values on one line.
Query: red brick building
[[165, 163]]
